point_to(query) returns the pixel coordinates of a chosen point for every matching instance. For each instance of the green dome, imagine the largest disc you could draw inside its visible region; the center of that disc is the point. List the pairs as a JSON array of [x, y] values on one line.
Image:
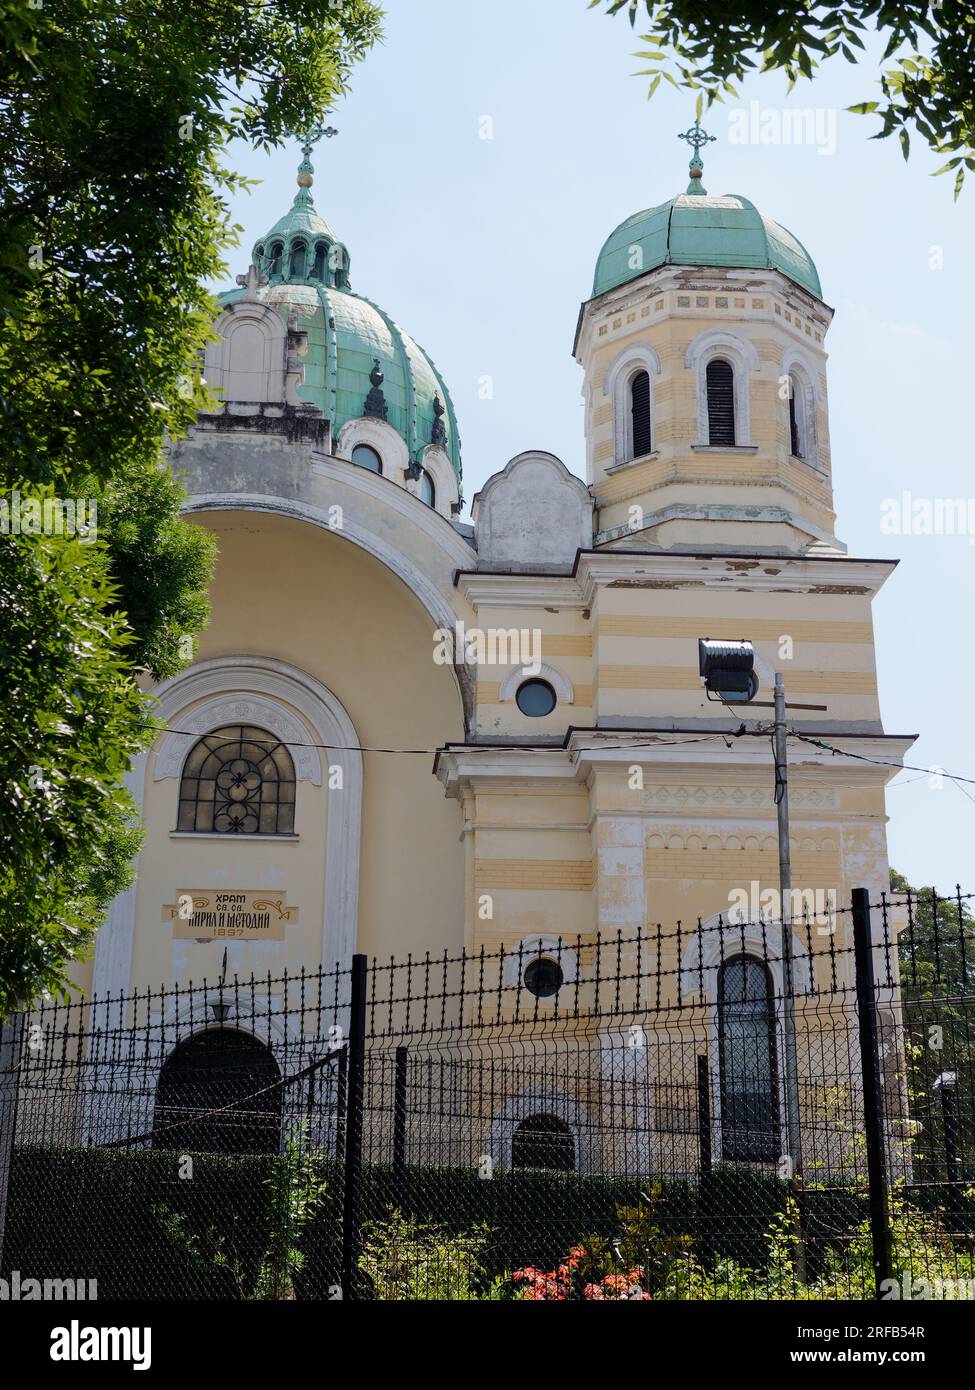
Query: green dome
[[307, 270], [701, 229]]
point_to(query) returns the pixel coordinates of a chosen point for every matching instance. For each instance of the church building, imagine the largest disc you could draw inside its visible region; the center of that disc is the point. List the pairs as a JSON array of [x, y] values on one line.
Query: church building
[[406, 732]]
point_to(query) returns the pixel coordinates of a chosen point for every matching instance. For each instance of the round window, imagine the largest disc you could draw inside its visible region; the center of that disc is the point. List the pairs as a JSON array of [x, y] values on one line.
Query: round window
[[535, 698], [543, 977]]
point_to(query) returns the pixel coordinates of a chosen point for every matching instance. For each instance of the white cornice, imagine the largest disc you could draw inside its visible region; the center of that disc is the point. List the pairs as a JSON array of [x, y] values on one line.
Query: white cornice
[[721, 279], [460, 767], [597, 569], [790, 574], [521, 590]]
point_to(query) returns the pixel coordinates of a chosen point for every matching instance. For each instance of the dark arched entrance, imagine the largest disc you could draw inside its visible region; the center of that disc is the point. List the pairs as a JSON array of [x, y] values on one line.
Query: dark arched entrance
[[217, 1094], [543, 1141]]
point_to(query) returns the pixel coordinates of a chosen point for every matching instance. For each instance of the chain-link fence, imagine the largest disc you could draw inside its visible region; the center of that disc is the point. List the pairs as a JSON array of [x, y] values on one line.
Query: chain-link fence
[[714, 1111]]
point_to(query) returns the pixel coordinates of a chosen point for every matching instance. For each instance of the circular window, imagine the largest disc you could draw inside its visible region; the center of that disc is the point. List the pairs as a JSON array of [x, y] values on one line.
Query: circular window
[[535, 698], [366, 457], [543, 977]]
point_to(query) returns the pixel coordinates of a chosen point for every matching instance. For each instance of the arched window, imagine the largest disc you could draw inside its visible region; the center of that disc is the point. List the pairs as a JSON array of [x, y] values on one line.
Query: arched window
[[299, 259], [216, 1094], [275, 267], [238, 780], [543, 1141], [720, 378], [426, 491], [321, 252], [795, 407], [641, 433], [746, 1041], [366, 457]]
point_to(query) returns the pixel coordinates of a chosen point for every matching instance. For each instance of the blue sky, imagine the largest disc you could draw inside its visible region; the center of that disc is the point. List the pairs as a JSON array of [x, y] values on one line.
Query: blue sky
[[483, 250]]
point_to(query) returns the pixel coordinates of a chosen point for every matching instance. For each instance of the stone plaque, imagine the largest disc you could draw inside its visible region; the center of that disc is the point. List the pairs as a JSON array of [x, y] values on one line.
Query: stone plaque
[[243, 914]]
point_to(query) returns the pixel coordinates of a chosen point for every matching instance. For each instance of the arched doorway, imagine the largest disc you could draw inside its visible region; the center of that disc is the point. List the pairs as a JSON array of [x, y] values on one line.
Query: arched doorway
[[543, 1141], [217, 1094]]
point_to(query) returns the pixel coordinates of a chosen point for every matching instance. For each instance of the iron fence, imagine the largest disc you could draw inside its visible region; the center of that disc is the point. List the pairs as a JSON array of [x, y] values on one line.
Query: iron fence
[[595, 1118]]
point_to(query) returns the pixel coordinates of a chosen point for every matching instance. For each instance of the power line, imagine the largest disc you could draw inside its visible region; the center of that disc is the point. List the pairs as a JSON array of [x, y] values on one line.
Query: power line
[[467, 747], [884, 762]]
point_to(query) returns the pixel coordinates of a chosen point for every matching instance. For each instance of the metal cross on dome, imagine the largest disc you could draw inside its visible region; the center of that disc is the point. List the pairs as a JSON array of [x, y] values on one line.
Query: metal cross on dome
[[697, 137], [310, 138]]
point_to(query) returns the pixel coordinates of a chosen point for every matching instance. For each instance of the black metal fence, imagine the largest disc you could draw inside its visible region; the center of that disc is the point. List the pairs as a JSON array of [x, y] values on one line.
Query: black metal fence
[[688, 1112]]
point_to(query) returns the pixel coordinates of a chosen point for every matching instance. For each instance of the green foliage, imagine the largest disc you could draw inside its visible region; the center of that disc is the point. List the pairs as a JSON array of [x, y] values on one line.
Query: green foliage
[[114, 122], [925, 75], [100, 1211], [161, 565], [936, 957], [640, 1242], [296, 1188], [919, 1247], [71, 721], [412, 1260]]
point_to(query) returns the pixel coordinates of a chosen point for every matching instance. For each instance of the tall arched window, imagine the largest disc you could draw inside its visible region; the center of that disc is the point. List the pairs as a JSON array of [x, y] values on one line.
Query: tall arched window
[[721, 402], [426, 491], [275, 266], [795, 431], [641, 430], [216, 1094], [299, 260], [746, 1041], [366, 457], [238, 780], [543, 1141]]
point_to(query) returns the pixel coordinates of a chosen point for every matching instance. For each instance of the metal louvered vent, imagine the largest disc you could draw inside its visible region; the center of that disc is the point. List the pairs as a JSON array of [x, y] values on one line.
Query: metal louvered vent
[[795, 443], [640, 408], [721, 403]]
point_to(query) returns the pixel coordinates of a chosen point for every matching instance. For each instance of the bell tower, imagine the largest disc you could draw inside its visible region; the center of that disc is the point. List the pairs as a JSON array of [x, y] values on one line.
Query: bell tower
[[704, 360]]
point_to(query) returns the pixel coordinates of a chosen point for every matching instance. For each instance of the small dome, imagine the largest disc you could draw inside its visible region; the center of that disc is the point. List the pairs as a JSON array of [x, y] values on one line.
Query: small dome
[[307, 273], [701, 229]]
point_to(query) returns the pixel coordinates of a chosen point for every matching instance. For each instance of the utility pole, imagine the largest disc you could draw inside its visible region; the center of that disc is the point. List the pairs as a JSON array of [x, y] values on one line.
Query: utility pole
[[790, 1060]]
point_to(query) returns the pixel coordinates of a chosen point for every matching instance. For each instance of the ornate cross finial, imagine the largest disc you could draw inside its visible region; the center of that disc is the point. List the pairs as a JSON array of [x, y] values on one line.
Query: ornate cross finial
[[309, 139], [697, 137]]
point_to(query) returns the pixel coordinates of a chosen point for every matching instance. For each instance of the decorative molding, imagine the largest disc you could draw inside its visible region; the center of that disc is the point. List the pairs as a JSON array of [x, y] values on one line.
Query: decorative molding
[[238, 707], [559, 682], [539, 946], [328, 724], [735, 798], [543, 1100], [388, 443], [437, 463], [797, 365], [635, 357]]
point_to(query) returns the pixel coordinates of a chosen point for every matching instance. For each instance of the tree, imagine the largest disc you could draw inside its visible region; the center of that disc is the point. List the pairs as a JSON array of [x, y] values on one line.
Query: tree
[[115, 116], [926, 69], [936, 957]]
